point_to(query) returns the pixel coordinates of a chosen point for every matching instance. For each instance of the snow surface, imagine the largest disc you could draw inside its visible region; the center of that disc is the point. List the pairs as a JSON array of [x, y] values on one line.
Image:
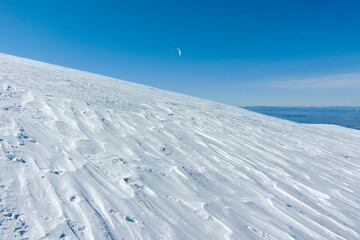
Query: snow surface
[[85, 156]]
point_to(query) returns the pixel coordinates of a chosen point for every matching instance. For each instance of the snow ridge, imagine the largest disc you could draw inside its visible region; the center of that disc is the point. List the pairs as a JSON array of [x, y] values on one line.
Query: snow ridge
[[85, 156]]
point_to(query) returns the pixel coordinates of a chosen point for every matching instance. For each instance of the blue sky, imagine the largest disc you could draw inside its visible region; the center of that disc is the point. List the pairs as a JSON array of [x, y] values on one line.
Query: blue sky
[[237, 52]]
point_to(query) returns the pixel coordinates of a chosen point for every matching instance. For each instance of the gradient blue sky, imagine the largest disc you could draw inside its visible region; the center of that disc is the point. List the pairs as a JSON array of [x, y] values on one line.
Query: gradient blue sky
[[285, 52]]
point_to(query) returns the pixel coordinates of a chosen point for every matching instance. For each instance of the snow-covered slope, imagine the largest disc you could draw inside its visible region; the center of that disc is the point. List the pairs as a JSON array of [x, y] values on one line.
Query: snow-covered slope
[[85, 156]]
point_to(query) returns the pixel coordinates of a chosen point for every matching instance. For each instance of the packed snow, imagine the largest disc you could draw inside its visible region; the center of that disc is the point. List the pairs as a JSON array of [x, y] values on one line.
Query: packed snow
[[85, 156]]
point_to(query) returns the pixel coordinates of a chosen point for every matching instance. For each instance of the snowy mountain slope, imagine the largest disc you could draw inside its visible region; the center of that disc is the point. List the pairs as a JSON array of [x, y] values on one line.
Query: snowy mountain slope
[[85, 156]]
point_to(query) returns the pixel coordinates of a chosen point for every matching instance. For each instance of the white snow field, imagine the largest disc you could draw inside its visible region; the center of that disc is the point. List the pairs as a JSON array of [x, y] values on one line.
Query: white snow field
[[85, 156]]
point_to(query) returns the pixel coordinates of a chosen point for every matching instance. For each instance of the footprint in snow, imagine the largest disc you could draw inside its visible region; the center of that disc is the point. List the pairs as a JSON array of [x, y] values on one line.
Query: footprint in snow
[[8, 215], [56, 172], [129, 219], [20, 160]]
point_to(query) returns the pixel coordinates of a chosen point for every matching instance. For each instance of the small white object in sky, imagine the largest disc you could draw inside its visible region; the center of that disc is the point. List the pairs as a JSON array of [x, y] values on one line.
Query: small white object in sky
[[178, 50]]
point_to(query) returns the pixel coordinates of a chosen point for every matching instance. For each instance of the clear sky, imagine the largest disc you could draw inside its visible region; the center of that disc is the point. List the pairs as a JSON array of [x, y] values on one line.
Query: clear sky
[[279, 52]]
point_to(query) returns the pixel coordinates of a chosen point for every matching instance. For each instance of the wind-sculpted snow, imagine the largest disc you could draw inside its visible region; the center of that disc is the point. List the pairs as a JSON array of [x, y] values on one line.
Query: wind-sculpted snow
[[90, 157]]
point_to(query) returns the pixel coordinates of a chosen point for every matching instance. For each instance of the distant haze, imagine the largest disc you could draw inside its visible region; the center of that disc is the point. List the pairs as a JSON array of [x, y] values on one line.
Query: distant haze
[[342, 116]]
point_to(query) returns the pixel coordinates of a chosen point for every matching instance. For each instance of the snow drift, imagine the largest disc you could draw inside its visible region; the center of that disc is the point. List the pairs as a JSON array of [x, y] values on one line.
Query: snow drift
[[85, 156]]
